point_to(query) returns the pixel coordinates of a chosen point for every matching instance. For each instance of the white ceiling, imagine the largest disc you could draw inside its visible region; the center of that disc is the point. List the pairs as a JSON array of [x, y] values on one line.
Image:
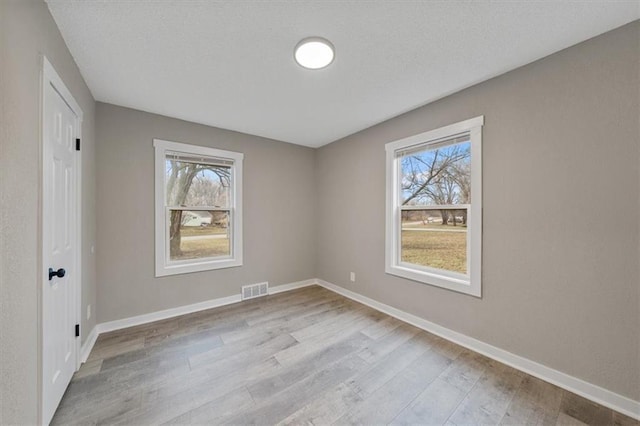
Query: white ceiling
[[230, 64]]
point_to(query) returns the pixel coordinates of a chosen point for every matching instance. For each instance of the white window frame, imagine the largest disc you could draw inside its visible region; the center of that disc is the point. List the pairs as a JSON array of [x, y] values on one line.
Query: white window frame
[[164, 266], [470, 283]]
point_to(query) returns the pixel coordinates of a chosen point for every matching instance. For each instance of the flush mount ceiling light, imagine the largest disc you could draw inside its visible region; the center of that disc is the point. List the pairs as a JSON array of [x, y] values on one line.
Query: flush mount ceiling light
[[314, 53]]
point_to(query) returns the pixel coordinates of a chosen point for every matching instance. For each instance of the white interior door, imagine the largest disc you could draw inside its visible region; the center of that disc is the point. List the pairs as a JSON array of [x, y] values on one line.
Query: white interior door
[[60, 229]]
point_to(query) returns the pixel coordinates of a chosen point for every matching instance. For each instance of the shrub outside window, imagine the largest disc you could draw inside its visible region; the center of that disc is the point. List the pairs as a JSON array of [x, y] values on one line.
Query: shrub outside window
[[434, 207], [198, 208]]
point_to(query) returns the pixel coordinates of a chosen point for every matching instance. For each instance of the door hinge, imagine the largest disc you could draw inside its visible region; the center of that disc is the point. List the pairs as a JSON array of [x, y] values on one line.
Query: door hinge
[[77, 144], [77, 330]]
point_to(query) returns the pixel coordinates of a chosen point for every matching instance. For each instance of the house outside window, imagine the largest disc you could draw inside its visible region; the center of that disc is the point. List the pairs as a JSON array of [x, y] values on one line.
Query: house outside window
[[434, 207], [198, 208]]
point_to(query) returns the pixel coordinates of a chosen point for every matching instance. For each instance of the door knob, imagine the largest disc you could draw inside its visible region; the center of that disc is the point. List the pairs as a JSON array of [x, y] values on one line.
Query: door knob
[[59, 273]]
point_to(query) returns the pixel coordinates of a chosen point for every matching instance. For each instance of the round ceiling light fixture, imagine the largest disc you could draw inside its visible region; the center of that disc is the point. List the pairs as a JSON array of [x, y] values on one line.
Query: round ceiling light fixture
[[314, 53]]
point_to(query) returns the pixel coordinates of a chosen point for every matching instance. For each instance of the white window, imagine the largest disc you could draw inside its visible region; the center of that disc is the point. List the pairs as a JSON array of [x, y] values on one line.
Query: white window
[[434, 207], [198, 208]]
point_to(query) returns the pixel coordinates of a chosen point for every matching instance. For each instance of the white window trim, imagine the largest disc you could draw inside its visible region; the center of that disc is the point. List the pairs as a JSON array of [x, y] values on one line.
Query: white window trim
[[468, 284], [163, 266]]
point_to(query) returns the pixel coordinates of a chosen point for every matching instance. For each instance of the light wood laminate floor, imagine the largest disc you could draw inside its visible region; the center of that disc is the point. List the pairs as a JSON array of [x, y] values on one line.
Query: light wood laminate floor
[[301, 357]]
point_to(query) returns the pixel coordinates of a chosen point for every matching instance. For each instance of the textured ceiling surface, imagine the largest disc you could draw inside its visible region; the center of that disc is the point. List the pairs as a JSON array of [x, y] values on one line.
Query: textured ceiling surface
[[230, 64]]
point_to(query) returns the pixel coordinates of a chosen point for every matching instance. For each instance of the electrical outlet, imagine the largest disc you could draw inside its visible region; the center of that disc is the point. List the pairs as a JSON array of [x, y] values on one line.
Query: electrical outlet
[[88, 311], [353, 277]]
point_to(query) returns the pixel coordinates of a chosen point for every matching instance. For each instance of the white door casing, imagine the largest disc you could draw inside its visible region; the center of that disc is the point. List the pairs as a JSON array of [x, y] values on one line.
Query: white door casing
[[60, 297]]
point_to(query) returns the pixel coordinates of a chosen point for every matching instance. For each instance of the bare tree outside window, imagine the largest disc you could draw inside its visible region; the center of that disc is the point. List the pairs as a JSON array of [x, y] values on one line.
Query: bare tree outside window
[[438, 179], [198, 198]]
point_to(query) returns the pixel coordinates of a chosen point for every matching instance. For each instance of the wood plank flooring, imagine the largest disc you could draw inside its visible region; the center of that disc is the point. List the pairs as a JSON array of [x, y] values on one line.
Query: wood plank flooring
[[307, 356]]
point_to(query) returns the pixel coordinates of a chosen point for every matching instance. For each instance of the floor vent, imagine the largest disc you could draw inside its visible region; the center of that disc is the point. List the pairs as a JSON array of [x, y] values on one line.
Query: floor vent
[[255, 290]]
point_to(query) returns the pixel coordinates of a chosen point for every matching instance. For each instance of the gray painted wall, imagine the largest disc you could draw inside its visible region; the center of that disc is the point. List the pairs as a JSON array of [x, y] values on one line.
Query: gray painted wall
[[279, 214], [27, 30], [561, 208]]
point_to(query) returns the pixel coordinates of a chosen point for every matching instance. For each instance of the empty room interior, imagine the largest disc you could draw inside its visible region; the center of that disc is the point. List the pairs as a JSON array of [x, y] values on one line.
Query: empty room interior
[[319, 212]]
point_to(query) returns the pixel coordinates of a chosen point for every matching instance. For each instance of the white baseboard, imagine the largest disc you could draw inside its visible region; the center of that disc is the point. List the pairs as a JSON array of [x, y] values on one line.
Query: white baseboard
[[188, 309], [167, 313], [292, 286], [587, 390], [85, 350]]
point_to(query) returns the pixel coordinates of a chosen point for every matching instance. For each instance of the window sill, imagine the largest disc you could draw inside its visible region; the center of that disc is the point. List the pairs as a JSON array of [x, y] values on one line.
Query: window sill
[[438, 280], [186, 268]]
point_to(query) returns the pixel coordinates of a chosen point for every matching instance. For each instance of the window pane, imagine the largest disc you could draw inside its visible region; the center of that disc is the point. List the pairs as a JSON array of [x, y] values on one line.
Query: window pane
[[197, 184], [435, 238], [437, 176], [198, 234]]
